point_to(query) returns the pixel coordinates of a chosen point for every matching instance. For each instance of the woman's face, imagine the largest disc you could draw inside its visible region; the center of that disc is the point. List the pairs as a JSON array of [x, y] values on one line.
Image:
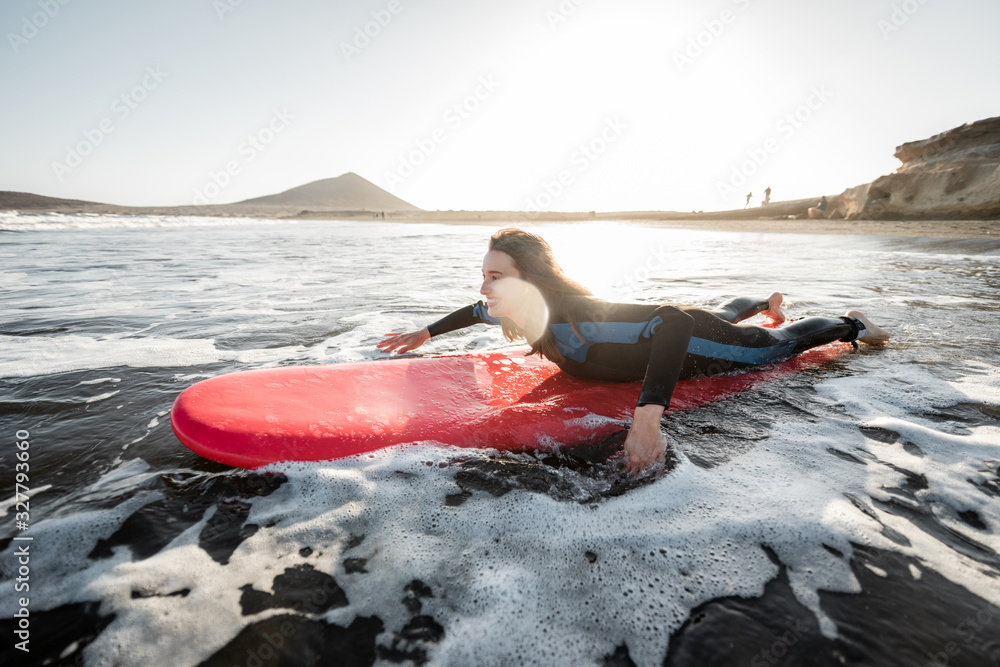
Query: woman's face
[[502, 285]]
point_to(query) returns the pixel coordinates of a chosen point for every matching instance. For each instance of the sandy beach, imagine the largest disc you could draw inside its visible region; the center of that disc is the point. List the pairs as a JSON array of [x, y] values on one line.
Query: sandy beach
[[962, 229], [959, 229]]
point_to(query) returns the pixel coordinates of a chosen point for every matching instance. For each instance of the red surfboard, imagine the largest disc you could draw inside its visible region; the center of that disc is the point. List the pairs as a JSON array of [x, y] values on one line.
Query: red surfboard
[[504, 401]]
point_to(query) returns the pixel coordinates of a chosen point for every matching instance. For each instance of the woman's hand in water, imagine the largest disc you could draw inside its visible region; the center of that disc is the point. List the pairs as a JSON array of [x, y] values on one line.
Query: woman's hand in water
[[404, 342], [645, 444]]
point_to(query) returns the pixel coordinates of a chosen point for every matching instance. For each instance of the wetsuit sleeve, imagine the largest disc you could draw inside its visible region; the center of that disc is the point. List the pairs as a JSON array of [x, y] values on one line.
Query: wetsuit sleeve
[[461, 318], [669, 343]]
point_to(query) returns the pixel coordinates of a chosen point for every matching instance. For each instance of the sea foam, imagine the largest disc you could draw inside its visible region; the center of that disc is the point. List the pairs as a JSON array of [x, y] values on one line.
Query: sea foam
[[43, 355]]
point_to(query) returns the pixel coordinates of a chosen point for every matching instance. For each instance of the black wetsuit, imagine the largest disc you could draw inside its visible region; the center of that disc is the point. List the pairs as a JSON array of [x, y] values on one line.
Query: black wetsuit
[[660, 344]]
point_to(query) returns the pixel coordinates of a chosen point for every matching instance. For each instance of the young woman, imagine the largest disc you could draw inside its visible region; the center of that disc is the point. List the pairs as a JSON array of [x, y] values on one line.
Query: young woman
[[528, 294]]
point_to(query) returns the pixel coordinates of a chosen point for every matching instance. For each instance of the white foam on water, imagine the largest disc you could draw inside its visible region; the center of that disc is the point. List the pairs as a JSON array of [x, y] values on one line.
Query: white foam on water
[[16, 221], [661, 550], [31, 493], [26, 356], [139, 439], [511, 574], [182, 377], [129, 475], [12, 278], [950, 464], [877, 570], [358, 343], [982, 383], [103, 397], [61, 572]]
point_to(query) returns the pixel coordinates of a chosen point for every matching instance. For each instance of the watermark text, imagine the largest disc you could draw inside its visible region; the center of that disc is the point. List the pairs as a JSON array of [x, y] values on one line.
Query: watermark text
[[900, 16], [713, 29], [786, 127], [30, 26], [454, 117], [22, 520], [363, 36], [248, 150]]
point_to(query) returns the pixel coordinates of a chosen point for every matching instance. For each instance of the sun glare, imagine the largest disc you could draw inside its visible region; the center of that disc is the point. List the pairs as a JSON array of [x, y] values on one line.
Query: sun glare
[[598, 256], [624, 262]]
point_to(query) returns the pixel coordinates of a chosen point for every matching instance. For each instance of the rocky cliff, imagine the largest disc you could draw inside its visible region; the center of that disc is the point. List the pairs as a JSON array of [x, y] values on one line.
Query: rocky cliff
[[954, 175]]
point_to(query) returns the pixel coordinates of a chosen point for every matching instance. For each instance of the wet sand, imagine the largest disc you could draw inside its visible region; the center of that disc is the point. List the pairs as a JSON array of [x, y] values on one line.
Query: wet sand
[[964, 229]]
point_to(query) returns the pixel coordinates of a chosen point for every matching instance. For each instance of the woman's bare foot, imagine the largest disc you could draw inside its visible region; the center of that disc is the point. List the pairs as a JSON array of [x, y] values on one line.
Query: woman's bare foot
[[774, 308], [874, 335]]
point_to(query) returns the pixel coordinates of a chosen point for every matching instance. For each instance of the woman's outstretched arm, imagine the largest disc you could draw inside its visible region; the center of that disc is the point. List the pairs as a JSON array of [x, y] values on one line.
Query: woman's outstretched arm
[[461, 318]]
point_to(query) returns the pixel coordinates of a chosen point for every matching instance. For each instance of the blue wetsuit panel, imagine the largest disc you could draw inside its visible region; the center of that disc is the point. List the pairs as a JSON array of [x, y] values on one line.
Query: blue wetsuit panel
[[627, 333], [755, 356], [481, 312]]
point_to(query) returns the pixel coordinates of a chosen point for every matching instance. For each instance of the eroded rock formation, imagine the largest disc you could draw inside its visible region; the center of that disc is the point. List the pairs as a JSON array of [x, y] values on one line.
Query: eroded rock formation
[[954, 175]]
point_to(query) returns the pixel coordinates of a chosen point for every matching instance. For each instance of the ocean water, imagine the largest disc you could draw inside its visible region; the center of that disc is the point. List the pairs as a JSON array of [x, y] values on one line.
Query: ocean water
[[849, 514]]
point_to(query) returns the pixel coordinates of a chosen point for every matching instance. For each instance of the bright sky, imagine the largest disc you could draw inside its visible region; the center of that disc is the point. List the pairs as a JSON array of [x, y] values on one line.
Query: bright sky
[[571, 105]]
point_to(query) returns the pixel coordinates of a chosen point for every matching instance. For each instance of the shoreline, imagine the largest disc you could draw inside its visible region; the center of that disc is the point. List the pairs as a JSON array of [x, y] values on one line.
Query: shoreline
[[959, 229]]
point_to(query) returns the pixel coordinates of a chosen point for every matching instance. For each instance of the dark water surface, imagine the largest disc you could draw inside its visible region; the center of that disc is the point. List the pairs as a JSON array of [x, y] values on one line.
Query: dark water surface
[[845, 515]]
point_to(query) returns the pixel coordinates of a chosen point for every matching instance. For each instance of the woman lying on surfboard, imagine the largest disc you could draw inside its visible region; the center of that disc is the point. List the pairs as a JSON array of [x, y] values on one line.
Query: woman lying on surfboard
[[530, 297]]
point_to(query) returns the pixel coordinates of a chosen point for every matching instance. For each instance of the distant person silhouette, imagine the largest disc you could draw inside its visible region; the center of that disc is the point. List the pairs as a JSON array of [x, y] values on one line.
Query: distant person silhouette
[[819, 211], [767, 196], [749, 196]]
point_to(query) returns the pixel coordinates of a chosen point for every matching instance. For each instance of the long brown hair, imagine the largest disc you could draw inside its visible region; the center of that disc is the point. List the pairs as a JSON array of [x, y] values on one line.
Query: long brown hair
[[534, 259]]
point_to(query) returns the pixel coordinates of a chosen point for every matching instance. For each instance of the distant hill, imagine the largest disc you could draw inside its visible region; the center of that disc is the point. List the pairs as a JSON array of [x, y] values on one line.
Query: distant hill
[[348, 195], [25, 201], [348, 192]]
